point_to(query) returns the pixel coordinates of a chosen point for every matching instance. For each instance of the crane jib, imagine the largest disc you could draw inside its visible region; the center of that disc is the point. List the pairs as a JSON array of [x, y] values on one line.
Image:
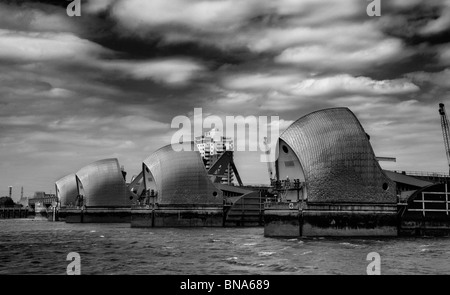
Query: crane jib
[[445, 131]]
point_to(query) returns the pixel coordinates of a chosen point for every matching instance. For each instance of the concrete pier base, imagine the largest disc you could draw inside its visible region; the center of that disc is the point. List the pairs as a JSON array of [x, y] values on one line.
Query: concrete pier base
[[418, 228], [95, 215], [177, 216], [349, 220], [335, 220], [280, 220], [6, 213], [415, 224]]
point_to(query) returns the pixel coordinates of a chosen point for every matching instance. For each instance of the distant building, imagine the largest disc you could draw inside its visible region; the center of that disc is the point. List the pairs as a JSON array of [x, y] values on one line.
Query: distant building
[[211, 146], [41, 197], [23, 201]]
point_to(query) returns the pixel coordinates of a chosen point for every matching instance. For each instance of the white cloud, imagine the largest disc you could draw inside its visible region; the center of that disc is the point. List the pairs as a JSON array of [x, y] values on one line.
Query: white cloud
[[113, 124], [406, 3], [336, 35], [319, 12], [170, 71], [350, 84], [68, 48], [441, 78], [407, 130], [222, 15], [38, 46], [201, 15], [260, 82], [97, 6], [349, 58], [139, 123], [444, 54], [277, 101], [232, 99], [439, 24], [282, 88], [31, 120], [39, 18]]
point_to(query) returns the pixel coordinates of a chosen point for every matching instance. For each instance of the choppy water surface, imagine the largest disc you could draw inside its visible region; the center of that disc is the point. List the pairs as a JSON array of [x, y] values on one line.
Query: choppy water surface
[[41, 247]]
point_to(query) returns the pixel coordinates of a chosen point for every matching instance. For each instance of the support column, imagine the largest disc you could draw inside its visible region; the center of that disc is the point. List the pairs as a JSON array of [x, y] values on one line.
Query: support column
[[446, 199], [423, 204]]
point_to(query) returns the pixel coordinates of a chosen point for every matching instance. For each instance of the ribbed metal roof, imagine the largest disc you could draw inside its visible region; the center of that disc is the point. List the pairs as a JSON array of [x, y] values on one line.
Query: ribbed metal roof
[[103, 184], [181, 177], [405, 179], [337, 158], [66, 190], [417, 195]]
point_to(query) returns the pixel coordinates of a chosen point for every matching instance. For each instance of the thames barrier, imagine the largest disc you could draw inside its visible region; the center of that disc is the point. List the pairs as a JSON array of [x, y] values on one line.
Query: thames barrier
[[327, 182]]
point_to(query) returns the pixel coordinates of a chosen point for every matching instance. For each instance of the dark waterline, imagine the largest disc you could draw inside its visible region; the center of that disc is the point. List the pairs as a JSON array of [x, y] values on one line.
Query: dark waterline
[[41, 247]]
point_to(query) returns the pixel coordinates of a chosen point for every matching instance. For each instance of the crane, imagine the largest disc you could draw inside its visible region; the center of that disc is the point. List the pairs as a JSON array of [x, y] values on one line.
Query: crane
[[445, 131]]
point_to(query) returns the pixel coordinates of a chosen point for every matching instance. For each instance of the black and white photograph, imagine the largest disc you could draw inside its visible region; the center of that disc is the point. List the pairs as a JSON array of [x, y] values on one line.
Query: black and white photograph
[[219, 144]]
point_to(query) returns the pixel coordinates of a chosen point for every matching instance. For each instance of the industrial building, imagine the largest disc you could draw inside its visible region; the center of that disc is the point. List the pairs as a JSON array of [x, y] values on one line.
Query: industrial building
[[211, 146], [46, 200]]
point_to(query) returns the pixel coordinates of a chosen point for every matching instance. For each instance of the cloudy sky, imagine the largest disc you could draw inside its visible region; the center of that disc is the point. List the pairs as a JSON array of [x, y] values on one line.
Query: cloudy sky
[[74, 90]]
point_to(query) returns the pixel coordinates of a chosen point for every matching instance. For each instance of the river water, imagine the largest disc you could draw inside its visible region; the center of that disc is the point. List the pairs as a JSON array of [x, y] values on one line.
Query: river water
[[40, 247]]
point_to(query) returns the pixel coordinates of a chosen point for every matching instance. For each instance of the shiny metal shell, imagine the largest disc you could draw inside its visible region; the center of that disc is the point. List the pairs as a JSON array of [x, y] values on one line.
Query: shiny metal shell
[[103, 184], [66, 190], [337, 159], [181, 177]]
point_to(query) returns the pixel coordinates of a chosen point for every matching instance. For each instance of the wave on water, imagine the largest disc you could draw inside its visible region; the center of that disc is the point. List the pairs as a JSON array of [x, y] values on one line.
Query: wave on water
[[266, 253], [349, 244]]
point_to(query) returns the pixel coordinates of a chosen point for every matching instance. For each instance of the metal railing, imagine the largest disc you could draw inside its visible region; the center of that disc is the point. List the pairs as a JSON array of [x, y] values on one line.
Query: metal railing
[[422, 173], [286, 184], [424, 201]]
